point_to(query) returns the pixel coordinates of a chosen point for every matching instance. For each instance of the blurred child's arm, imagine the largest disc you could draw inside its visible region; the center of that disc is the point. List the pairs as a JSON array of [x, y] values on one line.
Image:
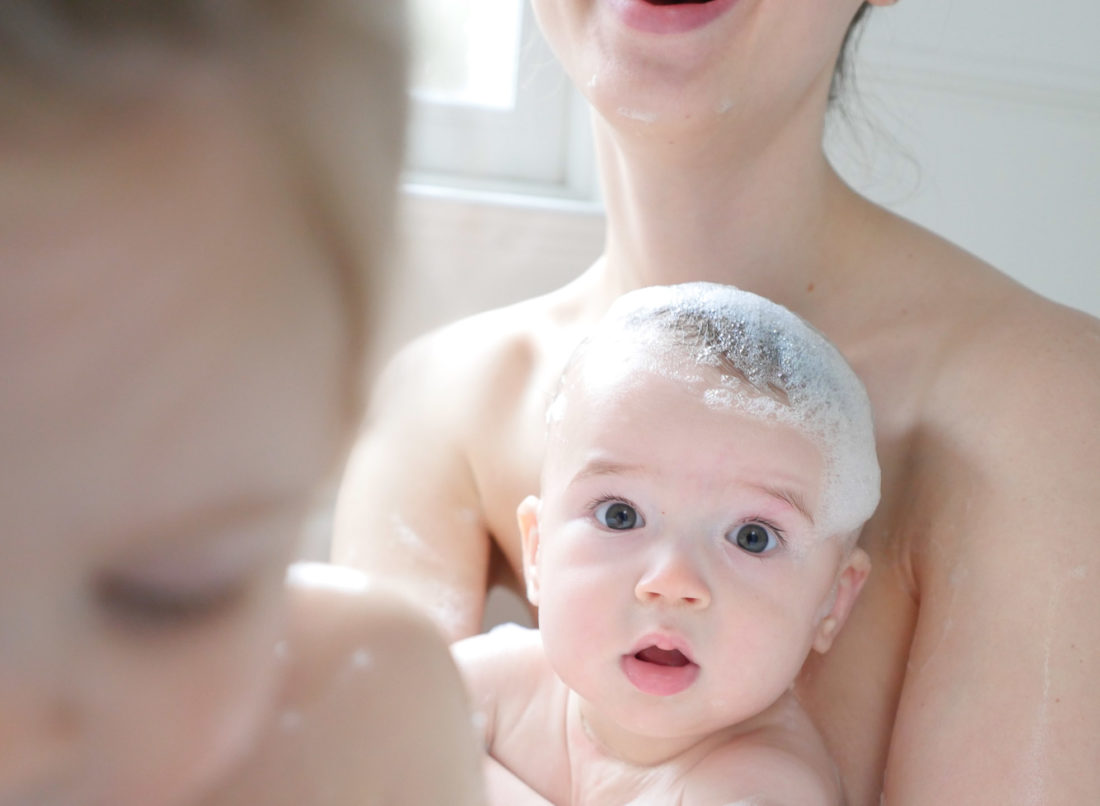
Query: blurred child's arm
[[372, 710]]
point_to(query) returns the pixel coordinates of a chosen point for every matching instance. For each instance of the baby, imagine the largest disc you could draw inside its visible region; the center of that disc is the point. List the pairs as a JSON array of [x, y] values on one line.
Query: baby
[[710, 463], [193, 197]]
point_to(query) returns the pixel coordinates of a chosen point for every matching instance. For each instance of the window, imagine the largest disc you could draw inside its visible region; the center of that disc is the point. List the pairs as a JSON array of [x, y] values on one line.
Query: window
[[491, 108]]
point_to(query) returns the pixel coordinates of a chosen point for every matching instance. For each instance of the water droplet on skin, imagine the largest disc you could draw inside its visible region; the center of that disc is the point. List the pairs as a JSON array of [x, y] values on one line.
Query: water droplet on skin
[[637, 114], [361, 659], [290, 721]]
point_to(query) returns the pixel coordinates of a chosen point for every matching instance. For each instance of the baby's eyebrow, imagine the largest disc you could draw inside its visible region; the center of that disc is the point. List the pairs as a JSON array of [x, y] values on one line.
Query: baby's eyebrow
[[605, 467], [792, 497]]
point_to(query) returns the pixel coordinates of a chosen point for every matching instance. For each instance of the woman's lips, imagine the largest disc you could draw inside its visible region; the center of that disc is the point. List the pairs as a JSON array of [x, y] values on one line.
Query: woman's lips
[[660, 670], [669, 17]]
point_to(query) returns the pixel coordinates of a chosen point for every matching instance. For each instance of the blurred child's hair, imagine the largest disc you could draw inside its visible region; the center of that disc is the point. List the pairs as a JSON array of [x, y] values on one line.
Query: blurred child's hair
[[326, 79]]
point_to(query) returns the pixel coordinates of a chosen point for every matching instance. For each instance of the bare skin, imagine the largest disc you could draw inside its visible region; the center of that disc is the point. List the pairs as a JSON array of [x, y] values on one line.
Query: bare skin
[[359, 667], [534, 724], [965, 672]]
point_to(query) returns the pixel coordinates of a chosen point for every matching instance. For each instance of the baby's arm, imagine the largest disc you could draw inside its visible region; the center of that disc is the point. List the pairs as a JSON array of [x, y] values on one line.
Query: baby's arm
[[501, 669], [371, 710]]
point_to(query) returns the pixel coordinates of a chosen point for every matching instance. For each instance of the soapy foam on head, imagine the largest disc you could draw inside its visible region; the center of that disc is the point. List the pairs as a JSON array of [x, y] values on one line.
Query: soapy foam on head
[[768, 363]]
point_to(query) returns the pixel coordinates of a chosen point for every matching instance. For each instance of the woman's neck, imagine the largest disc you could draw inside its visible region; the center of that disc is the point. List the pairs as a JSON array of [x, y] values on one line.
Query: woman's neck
[[759, 215]]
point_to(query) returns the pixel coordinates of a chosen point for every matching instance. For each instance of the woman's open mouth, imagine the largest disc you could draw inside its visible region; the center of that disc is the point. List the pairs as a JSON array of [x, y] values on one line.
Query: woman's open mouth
[[661, 672]]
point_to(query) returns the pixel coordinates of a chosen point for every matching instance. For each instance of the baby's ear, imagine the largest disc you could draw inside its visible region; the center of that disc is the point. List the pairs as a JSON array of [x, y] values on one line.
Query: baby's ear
[[528, 516], [853, 573]]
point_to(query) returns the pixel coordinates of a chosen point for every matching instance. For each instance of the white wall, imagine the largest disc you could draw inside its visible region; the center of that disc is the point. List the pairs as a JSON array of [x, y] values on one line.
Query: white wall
[[981, 120]]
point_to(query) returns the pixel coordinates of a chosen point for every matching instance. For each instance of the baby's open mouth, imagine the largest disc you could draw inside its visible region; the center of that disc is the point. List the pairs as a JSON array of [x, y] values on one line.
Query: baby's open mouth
[[676, 2], [660, 672], [662, 657]]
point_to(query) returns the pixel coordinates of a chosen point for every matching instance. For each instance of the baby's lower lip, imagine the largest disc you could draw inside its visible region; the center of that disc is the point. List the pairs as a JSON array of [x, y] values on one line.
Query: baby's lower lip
[[657, 679]]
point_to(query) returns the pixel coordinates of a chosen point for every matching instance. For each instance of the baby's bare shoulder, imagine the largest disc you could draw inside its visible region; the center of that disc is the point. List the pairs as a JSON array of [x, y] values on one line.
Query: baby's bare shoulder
[[507, 676], [781, 760]]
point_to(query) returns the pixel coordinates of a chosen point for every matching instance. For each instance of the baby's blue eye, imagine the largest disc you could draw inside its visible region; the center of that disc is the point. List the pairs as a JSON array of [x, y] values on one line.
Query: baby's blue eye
[[755, 538], [617, 515]]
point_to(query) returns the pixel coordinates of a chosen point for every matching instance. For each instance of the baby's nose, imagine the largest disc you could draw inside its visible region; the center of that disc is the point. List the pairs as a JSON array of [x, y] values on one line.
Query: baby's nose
[[38, 729], [674, 577]]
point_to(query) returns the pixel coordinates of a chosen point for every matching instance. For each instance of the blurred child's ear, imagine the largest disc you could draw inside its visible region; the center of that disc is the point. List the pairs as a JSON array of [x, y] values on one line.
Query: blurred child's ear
[[528, 516], [853, 573]]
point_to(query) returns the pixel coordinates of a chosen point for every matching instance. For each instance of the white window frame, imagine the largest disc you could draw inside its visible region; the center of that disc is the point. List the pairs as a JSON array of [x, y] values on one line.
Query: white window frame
[[539, 150]]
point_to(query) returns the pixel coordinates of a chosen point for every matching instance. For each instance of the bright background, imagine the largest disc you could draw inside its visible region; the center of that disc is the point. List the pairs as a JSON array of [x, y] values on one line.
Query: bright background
[[979, 119]]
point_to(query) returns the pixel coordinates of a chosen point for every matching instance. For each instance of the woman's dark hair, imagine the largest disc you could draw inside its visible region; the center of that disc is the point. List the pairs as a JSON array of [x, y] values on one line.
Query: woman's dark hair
[[843, 61]]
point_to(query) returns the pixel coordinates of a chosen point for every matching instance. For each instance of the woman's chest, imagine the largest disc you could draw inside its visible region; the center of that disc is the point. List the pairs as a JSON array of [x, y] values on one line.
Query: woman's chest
[[852, 692]]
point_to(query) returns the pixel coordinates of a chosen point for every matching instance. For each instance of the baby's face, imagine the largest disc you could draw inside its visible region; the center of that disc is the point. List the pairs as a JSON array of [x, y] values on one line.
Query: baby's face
[[173, 362], [679, 575]]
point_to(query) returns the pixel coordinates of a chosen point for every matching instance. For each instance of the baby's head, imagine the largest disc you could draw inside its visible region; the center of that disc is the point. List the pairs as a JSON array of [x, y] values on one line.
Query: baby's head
[[710, 461], [742, 352], [193, 197]]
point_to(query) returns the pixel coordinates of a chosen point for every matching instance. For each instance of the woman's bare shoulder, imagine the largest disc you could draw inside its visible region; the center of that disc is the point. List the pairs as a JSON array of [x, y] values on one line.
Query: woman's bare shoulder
[[492, 369], [994, 500], [976, 330], [1022, 360], [491, 345]]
